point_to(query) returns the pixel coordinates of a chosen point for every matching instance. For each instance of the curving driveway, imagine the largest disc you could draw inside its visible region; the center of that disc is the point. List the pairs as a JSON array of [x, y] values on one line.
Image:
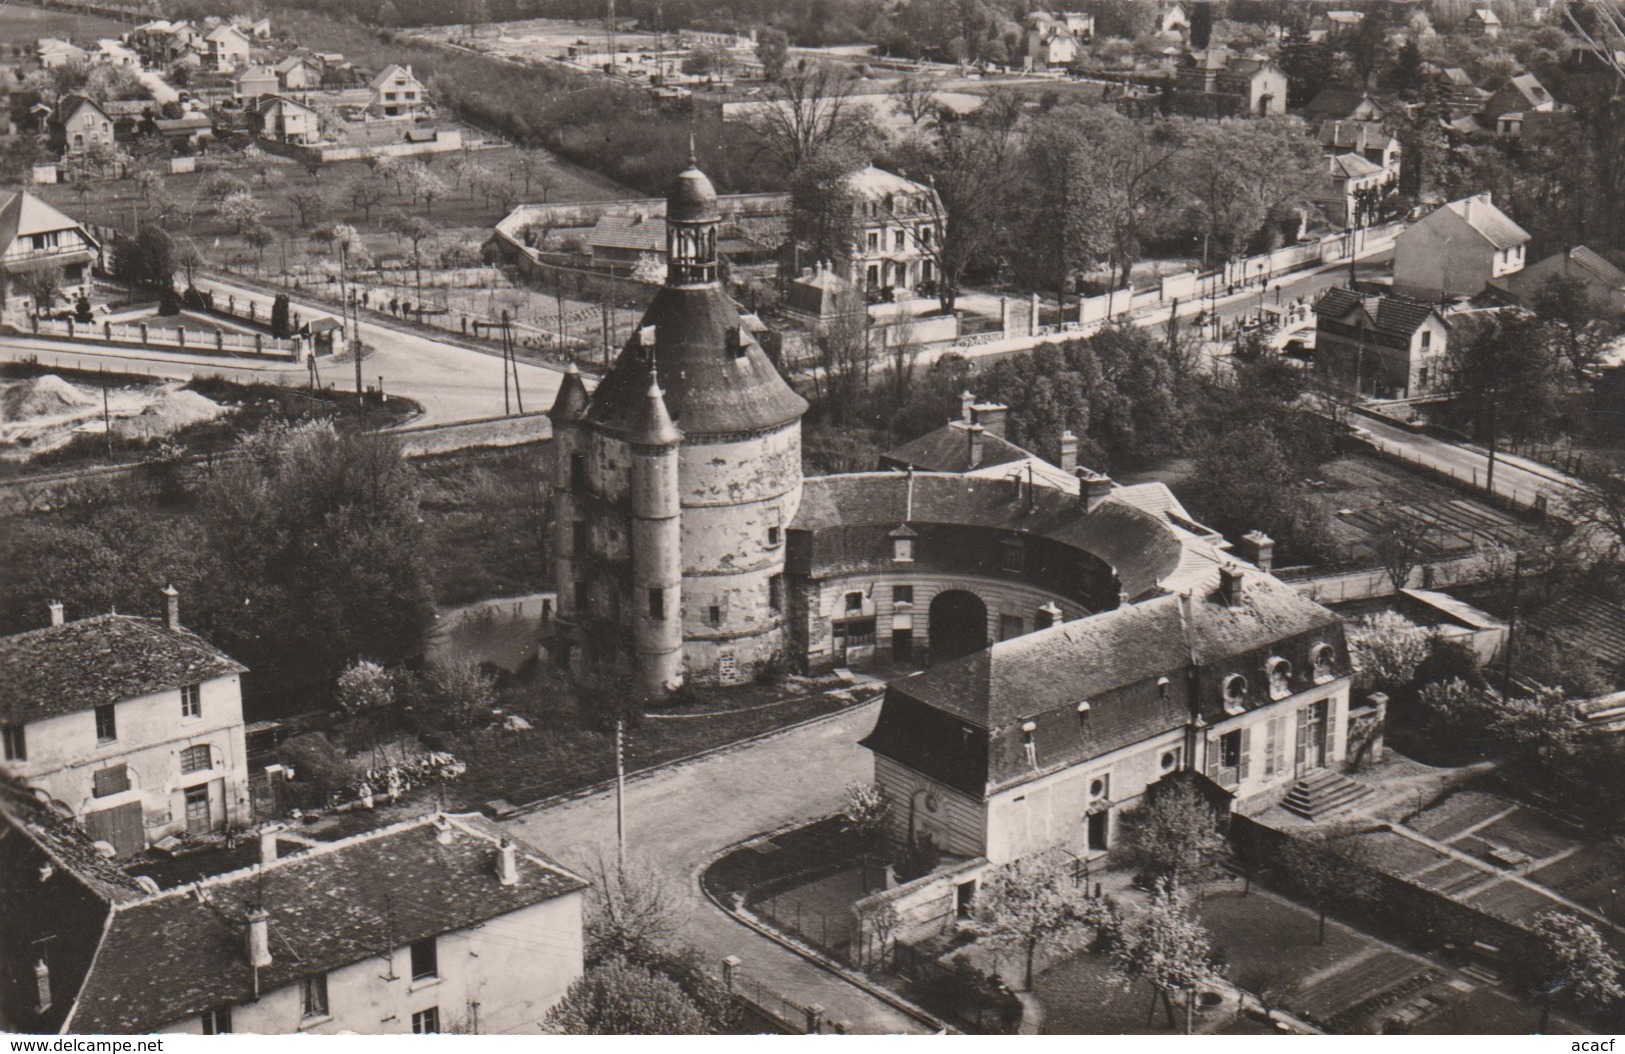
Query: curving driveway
[[679, 817]]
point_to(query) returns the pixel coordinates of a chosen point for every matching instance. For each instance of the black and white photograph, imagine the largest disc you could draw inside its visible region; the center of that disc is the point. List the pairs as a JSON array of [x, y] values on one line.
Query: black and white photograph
[[811, 517]]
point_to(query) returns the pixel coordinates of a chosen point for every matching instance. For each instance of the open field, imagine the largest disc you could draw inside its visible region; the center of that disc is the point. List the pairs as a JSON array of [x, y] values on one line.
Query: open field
[[25, 25], [536, 38]]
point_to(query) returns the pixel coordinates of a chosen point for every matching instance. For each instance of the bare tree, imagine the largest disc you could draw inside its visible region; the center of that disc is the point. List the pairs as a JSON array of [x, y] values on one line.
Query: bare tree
[[635, 911], [914, 98], [811, 109], [1167, 948], [1401, 545]]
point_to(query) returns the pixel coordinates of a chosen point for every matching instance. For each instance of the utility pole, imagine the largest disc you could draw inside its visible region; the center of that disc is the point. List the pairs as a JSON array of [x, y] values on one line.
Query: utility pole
[[507, 407], [1512, 626], [511, 357], [107, 418], [620, 793], [1489, 473]]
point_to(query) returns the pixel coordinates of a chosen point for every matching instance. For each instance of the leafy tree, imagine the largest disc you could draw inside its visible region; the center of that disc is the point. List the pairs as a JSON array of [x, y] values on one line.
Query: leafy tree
[[865, 811], [147, 259], [281, 320], [824, 207], [1170, 831], [312, 206], [1201, 28], [260, 238], [1236, 174], [1505, 372], [1165, 947], [416, 230], [460, 695], [364, 686], [1385, 648], [43, 287], [1577, 968], [617, 998], [366, 194], [773, 51], [1327, 866], [1401, 544], [1034, 902], [1577, 324], [635, 912]]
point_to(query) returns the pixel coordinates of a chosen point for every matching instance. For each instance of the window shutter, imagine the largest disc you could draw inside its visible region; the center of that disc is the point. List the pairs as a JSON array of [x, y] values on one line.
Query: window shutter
[[1213, 758], [111, 780], [1331, 728], [1303, 734], [1241, 769]]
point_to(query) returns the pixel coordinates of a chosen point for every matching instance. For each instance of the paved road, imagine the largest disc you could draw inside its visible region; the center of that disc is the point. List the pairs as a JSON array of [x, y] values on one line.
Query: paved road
[[1515, 477], [451, 383], [679, 817]]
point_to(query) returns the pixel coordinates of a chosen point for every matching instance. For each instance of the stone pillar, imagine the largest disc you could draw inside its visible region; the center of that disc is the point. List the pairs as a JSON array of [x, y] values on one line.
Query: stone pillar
[[259, 343], [107, 331], [219, 340], [1004, 316], [143, 334], [70, 327], [730, 971], [1033, 319], [180, 336], [815, 1019]]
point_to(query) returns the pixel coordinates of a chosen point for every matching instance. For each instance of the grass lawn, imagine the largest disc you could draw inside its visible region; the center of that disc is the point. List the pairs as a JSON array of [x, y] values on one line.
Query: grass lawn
[[1485, 1012], [1082, 997], [1269, 941], [25, 25]]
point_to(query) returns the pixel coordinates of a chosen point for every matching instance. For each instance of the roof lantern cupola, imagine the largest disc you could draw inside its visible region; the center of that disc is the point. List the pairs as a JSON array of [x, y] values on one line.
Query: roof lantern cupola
[[692, 220]]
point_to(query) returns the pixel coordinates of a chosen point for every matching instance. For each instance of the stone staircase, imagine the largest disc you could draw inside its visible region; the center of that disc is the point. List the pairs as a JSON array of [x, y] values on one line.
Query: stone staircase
[[1324, 793]]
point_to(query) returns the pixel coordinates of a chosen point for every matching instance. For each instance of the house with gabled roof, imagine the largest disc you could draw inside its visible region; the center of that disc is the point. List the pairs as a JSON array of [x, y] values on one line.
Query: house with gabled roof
[[1387, 346], [35, 237], [228, 48], [1350, 181], [1339, 104], [254, 82], [1044, 740], [1219, 83], [134, 725], [298, 73], [442, 923], [1604, 283], [1458, 249], [286, 120], [396, 92], [1055, 42], [1483, 22], [1369, 139], [1507, 109], [79, 124]]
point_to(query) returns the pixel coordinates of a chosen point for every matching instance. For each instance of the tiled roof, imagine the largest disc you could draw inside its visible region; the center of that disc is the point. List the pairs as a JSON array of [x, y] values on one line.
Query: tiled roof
[[66, 844], [1135, 666], [640, 233], [1144, 549], [710, 388], [178, 954], [874, 183], [947, 449], [64, 669], [1482, 215], [1528, 86], [1337, 103], [1395, 316], [1587, 623], [1352, 166]]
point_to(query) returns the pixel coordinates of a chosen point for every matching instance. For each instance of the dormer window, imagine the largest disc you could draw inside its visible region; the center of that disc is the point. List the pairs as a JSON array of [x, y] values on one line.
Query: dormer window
[[1027, 744], [1235, 694], [1321, 658], [1014, 558], [902, 544], [1162, 687], [1280, 677]]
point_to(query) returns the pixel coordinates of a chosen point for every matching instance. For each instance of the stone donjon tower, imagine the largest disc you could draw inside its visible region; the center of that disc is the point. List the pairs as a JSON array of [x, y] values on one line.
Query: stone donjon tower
[[675, 481]]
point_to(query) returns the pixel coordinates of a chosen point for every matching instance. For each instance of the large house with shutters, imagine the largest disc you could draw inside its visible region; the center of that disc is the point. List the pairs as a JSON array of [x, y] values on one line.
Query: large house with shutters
[[1043, 740], [35, 238], [135, 725]]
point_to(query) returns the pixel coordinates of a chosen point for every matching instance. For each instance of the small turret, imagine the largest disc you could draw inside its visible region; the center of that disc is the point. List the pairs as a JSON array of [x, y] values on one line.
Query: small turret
[[571, 402], [657, 546]]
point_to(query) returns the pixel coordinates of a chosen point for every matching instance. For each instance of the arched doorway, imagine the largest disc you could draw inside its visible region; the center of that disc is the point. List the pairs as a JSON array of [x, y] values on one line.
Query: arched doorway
[[958, 625]]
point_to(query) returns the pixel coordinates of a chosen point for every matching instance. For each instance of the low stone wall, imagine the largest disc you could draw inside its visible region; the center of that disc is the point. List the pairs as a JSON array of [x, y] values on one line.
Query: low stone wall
[[197, 342]]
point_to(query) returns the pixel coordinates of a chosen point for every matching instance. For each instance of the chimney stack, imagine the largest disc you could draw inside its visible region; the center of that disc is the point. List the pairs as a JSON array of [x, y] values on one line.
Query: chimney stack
[[507, 863], [991, 417], [268, 851], [56, 613], [1259, 548], [1230, 585], [975, 434], [1093, 488], [42, 984], [1069, 451], [967, 407], [259, 937], [173, 598]]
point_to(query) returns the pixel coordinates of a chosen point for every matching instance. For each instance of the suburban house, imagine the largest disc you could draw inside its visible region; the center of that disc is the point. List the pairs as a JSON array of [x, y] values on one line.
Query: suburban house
[[397, 93], [35, 237], [1458, 249], [286, 120], [896, 229], [1483, 22], [1172, 20], [162, 42], [438, 924], [1337, 104], [53, 53], [228, 48], [1216, 83], [1604, 283], [135, 725], [1056, 41], [1340, 25], [191, 127], [1461, 97], [1387, 346], [297, 73], [619, 242], [1350, 178], [252, 82], [81, 124], [1369, 139], [1506, 110], [1044, 740]]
